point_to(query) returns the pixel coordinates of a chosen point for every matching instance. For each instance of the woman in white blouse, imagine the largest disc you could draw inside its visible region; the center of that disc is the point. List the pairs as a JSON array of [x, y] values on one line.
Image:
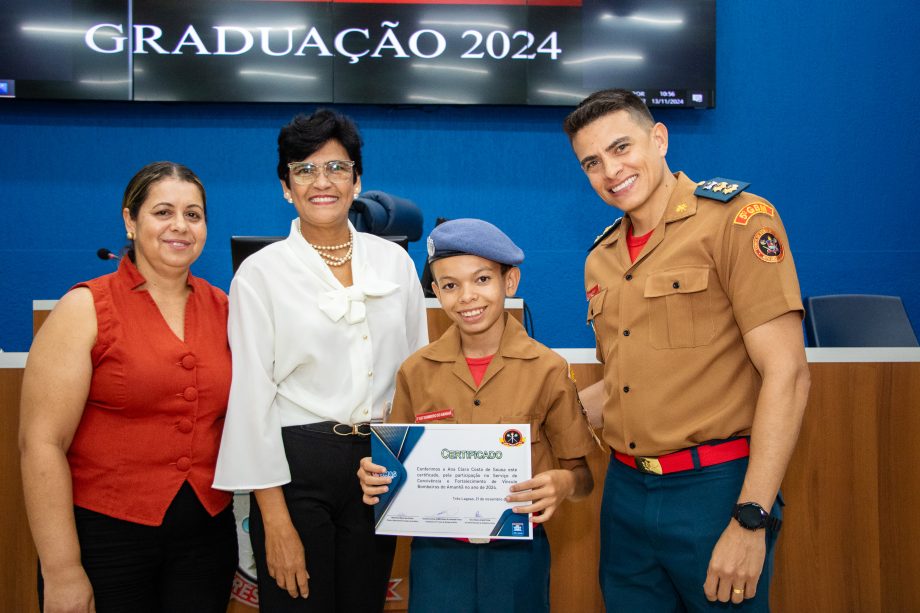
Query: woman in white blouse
[[319, 323]]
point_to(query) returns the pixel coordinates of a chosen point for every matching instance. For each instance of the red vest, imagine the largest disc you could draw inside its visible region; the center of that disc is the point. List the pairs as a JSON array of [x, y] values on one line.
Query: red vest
[[156, 404]]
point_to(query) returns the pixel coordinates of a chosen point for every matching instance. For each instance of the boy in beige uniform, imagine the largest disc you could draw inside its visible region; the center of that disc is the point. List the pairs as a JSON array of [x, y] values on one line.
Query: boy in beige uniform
[[696, 308], [486, 370]]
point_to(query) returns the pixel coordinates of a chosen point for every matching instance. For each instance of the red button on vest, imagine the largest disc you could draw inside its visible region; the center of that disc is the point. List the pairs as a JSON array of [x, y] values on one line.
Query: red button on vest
[[183, 463], [188, 362], [185, 426], [190, 394]]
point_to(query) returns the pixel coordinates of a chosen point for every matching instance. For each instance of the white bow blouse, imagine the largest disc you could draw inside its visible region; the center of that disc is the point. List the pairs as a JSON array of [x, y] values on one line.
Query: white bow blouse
[[306, 349]]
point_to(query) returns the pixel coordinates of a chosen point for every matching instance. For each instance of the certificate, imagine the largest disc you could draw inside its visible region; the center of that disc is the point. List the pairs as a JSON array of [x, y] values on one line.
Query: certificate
[[451, 480]]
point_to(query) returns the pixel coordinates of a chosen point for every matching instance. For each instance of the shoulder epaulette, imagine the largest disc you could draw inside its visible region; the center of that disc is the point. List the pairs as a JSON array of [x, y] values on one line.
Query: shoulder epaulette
[[606, 233], [720, 189]]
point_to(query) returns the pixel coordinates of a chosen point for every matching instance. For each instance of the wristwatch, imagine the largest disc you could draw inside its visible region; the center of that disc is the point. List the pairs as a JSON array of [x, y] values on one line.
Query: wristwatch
[[752, 516]]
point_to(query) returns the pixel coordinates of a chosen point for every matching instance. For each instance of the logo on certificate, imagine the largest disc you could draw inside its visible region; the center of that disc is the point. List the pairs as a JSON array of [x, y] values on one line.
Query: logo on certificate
[[517, 529], [512, 438]]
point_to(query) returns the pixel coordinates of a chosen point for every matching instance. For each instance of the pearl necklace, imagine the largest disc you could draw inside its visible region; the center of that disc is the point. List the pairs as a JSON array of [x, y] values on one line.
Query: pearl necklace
[[330, 259], [330, 247]]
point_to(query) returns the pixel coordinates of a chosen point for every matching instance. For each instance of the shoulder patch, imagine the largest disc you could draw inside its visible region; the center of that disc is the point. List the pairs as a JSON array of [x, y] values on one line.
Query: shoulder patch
[[755, 208], [605, 233], [720, 189], [767, 246]]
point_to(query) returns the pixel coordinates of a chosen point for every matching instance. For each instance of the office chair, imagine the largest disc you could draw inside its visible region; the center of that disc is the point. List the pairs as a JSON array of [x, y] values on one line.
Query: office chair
[[853, 320], [384, 214], [391, 217]]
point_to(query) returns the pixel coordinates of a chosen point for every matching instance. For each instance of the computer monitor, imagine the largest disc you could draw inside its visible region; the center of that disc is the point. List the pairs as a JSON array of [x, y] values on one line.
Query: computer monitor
[[241, 247], [547, 52]]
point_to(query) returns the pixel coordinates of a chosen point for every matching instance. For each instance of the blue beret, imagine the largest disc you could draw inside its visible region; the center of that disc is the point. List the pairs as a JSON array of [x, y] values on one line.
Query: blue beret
[[472, 237]]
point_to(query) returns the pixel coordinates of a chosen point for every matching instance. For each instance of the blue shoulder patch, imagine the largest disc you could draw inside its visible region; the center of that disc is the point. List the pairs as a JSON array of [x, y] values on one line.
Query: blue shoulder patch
[[720, 189], [606, 233]]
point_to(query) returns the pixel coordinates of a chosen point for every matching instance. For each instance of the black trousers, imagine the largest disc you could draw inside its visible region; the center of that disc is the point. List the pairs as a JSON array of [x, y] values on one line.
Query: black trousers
[[185, 565], [349, 566]]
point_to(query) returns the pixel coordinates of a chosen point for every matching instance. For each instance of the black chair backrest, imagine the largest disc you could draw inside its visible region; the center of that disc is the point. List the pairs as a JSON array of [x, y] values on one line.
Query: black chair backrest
[[391, 217], [856, 320], [384, 214]]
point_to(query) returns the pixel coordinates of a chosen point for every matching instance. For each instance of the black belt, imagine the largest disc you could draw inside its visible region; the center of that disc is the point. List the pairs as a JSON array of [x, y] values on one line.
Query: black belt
[[334, 427]]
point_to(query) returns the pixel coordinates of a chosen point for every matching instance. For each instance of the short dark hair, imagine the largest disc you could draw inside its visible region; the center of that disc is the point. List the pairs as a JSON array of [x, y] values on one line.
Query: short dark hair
[[603, 103], [305, 135], [139, 187]]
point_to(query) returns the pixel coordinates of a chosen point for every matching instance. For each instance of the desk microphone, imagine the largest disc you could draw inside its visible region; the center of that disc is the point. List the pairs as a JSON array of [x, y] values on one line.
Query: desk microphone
[[105, 254]]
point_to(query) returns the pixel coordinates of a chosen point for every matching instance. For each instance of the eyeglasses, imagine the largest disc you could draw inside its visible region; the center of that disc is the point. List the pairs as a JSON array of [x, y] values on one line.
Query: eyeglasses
[[305, 173]]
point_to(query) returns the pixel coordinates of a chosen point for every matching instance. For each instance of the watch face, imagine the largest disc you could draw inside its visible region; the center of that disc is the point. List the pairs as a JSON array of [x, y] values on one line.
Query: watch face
[[751, 516]]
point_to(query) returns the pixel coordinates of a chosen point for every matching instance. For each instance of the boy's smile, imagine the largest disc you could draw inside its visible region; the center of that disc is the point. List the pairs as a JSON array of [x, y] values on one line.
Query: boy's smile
[[472, 315]]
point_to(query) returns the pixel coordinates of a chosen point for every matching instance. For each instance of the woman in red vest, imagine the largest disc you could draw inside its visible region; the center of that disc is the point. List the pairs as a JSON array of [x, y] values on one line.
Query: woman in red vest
[[123, 402]]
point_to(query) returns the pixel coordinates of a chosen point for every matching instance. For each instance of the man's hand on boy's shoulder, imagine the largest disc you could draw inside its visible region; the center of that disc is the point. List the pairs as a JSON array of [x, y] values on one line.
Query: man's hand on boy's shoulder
[[373, 481]]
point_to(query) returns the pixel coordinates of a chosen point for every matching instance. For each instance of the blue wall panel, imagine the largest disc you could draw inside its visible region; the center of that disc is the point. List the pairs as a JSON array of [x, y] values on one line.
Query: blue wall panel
[[816, 106]]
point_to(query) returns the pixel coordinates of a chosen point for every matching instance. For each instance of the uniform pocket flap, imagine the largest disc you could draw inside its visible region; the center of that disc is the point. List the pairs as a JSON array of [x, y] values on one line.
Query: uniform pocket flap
[[596, 304], [684, 280]]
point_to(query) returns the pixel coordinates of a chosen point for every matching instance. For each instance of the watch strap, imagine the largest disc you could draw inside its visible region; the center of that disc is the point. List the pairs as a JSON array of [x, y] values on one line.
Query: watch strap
[[773, 524]]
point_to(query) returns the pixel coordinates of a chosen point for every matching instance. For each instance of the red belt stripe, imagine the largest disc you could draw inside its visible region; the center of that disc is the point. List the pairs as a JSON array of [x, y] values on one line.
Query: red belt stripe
[[709, 455]]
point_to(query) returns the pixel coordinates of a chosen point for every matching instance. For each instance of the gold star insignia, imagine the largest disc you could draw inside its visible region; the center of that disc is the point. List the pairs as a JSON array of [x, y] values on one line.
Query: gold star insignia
[[718, 187], [680, 208], [730, 189]]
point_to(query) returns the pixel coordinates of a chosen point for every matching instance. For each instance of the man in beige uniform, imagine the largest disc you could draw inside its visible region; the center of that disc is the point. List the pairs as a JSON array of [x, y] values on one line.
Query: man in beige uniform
[[696, 308]]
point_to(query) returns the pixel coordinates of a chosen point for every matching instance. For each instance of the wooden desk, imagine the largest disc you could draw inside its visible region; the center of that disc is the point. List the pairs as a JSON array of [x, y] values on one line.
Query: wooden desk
[[849, 541], [40, 311], [19, 567]]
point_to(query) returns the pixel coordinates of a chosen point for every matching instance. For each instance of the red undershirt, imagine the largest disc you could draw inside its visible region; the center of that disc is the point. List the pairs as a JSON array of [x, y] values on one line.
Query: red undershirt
[[636, 243], [478, 367]]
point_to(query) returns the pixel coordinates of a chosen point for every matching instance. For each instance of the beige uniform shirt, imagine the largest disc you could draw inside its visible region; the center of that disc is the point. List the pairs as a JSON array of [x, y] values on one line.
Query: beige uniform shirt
[[525, 383], [669, 326]]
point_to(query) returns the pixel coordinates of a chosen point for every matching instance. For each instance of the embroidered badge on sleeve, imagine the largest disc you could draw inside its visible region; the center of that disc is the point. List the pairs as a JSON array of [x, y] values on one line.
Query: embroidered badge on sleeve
[[767, 247]]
